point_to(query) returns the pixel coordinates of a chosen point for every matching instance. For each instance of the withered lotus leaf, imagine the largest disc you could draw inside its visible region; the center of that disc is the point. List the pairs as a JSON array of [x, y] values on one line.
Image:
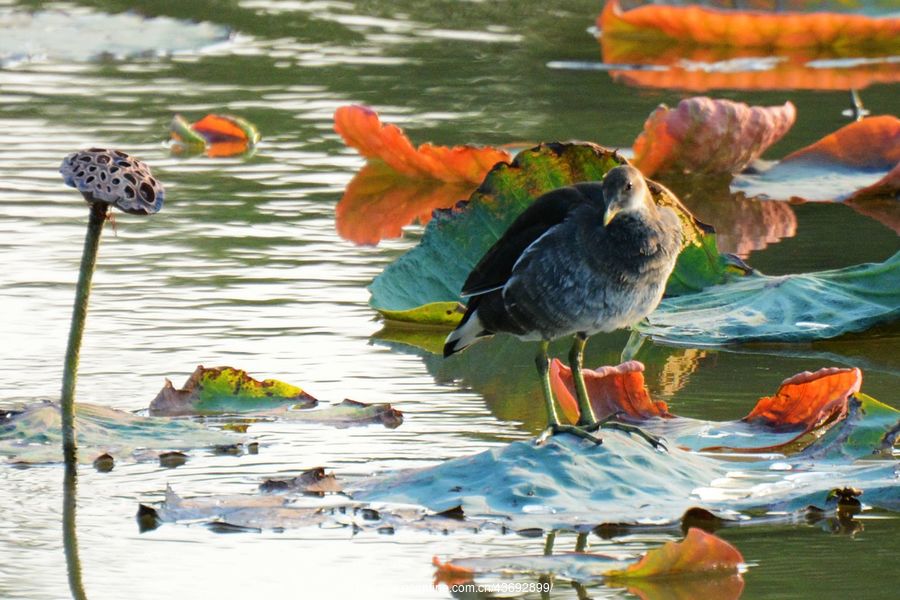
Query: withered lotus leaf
[[699, 552], [708, 26], [224, 390], [807, 400], [681, 139], [612, 390], [361, 129]]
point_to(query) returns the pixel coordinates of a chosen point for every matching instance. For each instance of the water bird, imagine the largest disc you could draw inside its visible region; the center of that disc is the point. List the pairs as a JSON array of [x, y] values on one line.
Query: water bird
[[105, 178], [583, 259]]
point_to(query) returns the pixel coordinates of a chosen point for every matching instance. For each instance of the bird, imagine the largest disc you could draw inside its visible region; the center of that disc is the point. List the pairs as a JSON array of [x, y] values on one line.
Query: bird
[[583, 259]]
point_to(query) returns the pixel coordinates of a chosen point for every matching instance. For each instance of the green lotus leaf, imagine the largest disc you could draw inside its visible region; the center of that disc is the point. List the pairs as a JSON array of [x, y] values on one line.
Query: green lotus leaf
[[457, 238]]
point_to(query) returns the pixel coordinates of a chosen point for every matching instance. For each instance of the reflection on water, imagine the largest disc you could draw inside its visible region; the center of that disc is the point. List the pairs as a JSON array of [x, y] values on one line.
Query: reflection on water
[[244, 267], [70, 532]]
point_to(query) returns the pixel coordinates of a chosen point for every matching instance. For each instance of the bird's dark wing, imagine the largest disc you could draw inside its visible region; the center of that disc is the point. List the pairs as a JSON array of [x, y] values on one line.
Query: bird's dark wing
[[495, 267]]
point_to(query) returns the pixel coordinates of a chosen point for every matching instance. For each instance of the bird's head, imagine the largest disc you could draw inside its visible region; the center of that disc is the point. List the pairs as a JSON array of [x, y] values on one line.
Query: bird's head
[[625, 191]]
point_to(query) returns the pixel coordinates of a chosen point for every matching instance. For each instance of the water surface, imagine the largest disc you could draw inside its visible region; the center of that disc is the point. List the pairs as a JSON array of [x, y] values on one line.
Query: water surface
[[243, 267]]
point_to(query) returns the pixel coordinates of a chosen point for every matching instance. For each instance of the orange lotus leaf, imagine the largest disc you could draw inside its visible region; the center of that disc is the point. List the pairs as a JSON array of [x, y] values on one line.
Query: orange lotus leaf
[[807, 400], [698, 553], [450, 574], [709, 136], [377, 205], [361, 129], [215, 135], [220, 128], [611, 389], [713, 27], [872, 143]]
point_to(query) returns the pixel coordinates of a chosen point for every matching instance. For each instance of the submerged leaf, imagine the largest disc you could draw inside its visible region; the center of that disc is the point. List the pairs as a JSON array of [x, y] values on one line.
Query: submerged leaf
[[33, 435], [361, 129], [699, 553], [456, 239], [712, 27], [787, 308], [226, 390], [350, 413], [859, 161], [680, 139], [612, 391]]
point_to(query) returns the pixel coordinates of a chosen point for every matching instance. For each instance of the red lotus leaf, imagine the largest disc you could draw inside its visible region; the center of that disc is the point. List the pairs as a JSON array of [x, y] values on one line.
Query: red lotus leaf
[[872, 143], [703, 135], [807, 400], [377, 205], [709, 26], [611, 390], [698, 553], [362, 129], [450, 574]]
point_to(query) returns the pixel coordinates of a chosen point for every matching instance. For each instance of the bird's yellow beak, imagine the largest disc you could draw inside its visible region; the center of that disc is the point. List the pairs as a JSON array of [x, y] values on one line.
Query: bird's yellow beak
[[611, 212]]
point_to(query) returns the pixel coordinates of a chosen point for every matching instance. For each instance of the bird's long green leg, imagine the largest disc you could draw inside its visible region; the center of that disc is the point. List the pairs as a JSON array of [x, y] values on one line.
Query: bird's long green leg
[[576, 359], [543, 366], [554, 426], [99, 212]]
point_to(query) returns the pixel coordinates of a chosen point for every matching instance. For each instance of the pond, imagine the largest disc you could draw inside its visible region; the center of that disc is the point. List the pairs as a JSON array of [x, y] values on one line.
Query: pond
[[243, 267]]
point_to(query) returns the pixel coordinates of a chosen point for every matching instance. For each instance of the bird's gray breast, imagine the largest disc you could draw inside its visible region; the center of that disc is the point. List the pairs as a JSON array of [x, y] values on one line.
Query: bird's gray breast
[[582, 277]]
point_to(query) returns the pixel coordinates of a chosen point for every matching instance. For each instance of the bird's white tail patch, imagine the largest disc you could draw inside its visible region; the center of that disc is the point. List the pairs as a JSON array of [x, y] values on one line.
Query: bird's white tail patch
[[466, 334]]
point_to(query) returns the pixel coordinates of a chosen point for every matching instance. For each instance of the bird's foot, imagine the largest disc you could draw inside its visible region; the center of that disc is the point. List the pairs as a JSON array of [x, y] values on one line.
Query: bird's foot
[[573, 429], [610, 423]]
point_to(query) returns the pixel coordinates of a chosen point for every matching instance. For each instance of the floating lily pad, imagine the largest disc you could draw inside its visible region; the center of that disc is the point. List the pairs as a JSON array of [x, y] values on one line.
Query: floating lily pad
[[818, 423], [787, 308], [34, 435], [226, 390], [455, 239], [860, 161]]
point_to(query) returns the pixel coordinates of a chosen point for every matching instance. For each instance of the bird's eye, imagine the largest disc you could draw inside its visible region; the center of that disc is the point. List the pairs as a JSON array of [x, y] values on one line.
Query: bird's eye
[[628, 186]]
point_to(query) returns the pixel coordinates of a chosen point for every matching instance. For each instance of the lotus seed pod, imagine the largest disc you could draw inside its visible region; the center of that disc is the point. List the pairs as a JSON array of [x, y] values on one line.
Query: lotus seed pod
[[114, 178]]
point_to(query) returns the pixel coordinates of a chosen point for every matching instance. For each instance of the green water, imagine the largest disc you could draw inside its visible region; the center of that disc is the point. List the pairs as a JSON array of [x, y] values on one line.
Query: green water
[[243, 267]]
